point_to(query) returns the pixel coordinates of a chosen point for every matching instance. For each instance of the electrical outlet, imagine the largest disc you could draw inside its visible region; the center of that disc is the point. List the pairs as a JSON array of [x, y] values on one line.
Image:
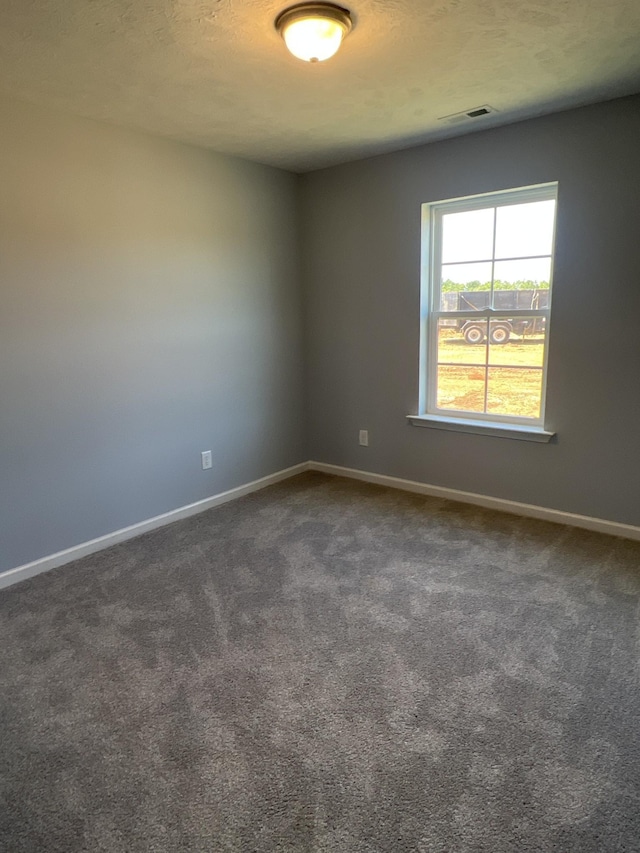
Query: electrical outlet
[[206, 459], [364, 438]]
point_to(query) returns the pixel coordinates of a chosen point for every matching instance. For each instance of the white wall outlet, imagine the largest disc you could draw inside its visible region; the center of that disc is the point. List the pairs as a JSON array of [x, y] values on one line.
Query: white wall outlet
[[206, 459], [364, 438]]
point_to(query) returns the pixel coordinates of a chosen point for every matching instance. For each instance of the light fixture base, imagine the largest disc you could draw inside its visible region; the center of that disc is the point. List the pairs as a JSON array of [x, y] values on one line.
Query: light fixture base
[[314, 10]]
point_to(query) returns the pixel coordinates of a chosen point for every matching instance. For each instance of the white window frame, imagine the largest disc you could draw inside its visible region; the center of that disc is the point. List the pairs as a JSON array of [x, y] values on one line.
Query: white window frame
[[429, 413]]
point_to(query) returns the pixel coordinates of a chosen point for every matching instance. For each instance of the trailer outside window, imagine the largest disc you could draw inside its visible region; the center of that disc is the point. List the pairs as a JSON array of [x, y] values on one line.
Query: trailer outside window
[[486, 297]]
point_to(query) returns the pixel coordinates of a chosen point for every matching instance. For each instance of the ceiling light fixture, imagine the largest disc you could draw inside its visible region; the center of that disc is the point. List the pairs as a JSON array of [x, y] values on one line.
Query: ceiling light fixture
[[314, 31]]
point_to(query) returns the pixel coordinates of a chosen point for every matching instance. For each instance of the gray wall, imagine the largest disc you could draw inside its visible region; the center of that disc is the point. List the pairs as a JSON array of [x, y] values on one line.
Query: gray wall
[[149, 309], [361, 249]]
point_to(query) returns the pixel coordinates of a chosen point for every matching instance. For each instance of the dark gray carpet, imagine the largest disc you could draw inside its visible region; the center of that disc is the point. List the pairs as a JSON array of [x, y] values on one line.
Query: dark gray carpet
[[332, 667]]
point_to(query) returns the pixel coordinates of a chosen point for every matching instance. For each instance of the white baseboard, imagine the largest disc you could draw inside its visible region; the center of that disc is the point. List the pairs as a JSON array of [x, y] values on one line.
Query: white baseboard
[[29, 570], [600, 525]]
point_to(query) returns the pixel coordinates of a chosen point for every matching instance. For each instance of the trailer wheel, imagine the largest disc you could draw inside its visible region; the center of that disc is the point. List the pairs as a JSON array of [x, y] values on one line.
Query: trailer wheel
[[500, 334], [473, 333]]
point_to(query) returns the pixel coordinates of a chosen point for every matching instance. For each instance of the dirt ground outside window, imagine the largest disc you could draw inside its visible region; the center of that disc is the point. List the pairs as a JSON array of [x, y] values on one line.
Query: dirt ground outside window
[[513, 376]]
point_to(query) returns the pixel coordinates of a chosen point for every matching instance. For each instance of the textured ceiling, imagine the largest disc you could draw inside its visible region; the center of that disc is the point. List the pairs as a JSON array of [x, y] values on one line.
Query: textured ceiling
[[216, 74]]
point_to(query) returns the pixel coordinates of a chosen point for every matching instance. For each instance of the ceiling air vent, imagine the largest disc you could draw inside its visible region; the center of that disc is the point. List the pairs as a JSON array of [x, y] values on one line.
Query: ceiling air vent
[[468, 115]]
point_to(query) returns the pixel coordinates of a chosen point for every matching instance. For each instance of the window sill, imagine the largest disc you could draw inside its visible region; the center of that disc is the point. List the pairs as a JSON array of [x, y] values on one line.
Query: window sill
[[497, 430]]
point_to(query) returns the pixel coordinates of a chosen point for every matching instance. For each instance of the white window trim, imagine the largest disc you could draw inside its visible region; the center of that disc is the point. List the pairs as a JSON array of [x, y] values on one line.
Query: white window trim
[[498, 430], [530, 429]]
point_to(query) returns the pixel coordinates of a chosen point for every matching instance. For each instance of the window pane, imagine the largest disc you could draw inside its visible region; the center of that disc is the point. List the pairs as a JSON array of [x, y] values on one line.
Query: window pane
[[514, 392], [525, 229], [461, 388], [458, 280], [517, 342], [462, 341], [525, 274], [467, 236]]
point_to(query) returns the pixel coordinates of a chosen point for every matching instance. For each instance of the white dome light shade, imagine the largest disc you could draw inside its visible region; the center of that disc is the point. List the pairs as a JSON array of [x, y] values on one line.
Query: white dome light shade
[[313, 31], [313, 39]]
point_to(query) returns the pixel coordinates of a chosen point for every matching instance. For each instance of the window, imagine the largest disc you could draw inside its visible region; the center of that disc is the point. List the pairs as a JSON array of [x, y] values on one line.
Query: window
[[487, 271]]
